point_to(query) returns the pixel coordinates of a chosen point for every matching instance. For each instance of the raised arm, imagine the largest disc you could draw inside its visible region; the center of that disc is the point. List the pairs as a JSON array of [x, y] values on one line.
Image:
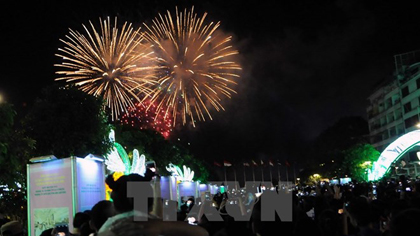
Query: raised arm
[[157, 199]]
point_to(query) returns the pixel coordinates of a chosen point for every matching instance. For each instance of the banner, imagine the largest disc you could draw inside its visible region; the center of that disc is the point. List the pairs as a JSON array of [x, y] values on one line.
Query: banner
[[90, 183], [49, 195], [60, 188]]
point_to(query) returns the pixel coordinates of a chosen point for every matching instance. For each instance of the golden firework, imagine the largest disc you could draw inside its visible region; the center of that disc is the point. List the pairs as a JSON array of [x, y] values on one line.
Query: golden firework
[[113, 63], [196, 65]]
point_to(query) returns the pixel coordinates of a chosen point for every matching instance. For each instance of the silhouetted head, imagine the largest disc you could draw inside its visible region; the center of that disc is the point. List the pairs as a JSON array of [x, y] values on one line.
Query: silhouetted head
[[100, 213], [360, 211], [405, 223], [79, 219], [12, 228], [119, 191]]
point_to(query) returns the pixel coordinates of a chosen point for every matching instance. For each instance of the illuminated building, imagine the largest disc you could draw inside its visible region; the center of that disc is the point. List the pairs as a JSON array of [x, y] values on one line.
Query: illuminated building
[[394, 109]]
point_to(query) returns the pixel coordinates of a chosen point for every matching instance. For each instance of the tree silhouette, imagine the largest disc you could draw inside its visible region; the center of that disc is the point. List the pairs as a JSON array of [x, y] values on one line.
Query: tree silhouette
[[65, 122], [15, 148]]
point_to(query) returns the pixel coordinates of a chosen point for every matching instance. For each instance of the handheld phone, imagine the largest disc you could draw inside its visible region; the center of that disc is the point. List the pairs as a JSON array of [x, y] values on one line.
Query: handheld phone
[[151, 165], [222, 189], [208, 196], [311, 213], [192, 221], [233, 201], [408, 189], [383, 225], [61, 230]]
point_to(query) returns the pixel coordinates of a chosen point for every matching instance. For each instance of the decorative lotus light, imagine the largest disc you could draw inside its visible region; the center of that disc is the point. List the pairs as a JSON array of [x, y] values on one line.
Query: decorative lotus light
[[118, 161], [184, 176]]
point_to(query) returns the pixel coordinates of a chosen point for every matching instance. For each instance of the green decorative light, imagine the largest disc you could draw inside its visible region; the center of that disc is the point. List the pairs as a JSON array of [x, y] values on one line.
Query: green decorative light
[[124, 157], [392, 153], [185, 176], [118, 160]]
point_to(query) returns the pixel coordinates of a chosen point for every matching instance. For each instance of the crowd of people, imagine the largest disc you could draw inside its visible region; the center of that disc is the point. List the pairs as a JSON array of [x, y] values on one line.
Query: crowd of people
[[386, 208], [389, 207]]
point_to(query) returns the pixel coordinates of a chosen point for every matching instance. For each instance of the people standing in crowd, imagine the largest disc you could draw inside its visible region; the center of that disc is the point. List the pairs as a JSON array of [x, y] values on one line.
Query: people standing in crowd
[[123, 222], [325, 210]]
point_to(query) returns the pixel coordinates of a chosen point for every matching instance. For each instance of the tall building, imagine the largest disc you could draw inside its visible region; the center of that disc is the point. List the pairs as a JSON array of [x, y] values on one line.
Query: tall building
[[394, 109]]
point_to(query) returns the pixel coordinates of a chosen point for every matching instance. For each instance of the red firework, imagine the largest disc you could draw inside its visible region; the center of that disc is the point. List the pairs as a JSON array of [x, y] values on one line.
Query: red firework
[[144, 116]]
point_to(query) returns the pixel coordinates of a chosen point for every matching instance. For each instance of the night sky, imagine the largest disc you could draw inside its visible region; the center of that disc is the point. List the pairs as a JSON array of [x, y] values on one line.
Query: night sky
[[305, 63]]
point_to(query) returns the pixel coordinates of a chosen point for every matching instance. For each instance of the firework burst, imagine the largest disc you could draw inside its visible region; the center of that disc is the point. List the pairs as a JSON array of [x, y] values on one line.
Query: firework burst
[[196, 65], [112, 63], [146, 116]]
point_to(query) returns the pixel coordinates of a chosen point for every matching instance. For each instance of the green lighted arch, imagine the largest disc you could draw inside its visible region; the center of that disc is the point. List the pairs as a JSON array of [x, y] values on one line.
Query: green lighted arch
[[392, 153]]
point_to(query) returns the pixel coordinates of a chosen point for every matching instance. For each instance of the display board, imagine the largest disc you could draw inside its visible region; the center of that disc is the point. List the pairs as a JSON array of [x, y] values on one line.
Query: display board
[[90, 183], [204, 188], [345, 181], [168, 185], [57, 189], [186, 189]]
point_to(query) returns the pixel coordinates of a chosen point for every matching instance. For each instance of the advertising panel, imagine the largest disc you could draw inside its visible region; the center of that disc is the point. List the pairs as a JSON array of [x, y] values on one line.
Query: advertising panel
[[90, 183], [49, 195]]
